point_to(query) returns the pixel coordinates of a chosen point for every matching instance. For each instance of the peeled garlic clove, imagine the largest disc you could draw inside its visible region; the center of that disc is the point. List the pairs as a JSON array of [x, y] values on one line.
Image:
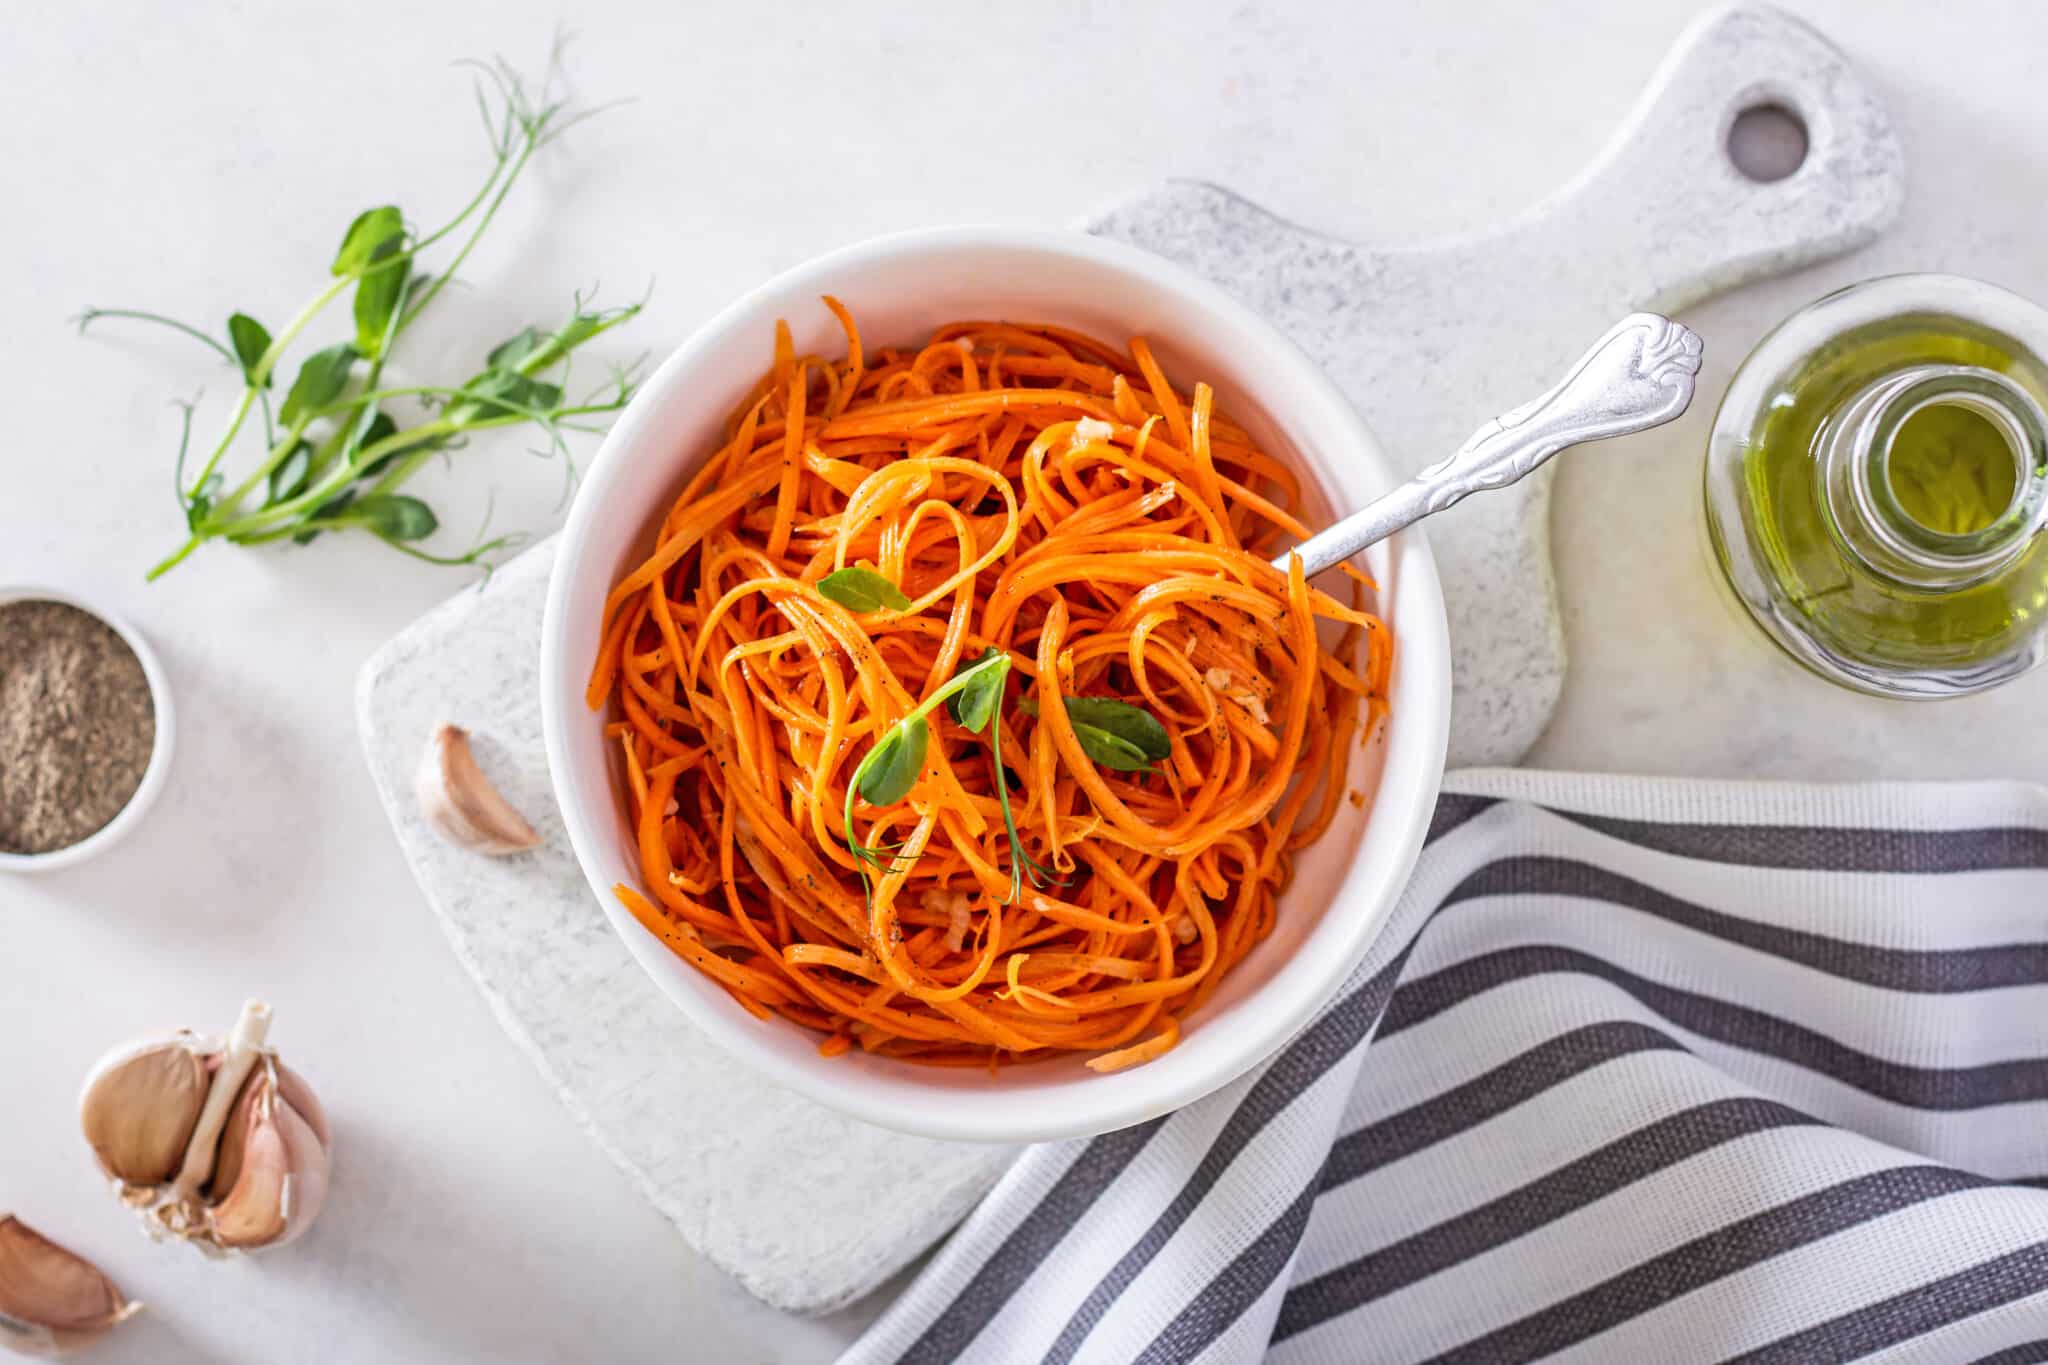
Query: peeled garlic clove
[[52, 1302], [271, 1179], [460, 802], [140, 1105]]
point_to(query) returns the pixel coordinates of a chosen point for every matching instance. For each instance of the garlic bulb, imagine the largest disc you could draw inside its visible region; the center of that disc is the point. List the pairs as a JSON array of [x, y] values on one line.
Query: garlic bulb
[[213, 1141], [52, 1301], [460, 802]]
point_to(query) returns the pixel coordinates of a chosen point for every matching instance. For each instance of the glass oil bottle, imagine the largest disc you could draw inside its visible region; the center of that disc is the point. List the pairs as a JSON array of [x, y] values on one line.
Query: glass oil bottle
[[1877, 486]]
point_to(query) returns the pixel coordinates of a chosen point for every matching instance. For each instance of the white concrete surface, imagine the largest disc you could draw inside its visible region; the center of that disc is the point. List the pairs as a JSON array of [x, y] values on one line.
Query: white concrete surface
[[201, 158]]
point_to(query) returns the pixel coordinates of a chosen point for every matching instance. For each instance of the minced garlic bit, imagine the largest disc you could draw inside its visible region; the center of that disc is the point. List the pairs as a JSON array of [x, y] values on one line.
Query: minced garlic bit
[[1088, 431], [1183, 927], [1220, 679], [954, 906]]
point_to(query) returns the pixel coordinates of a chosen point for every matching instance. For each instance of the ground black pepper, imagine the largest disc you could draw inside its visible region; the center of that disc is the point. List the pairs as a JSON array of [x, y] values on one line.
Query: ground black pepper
[[76, 725]]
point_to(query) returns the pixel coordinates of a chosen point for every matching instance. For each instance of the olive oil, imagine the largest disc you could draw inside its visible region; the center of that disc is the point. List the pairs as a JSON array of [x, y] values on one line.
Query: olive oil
[[1877, 486], [1951, 470]]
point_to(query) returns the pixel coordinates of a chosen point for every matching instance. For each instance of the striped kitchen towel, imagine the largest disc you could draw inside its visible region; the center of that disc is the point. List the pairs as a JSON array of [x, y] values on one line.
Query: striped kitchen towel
[[1640, 1070]]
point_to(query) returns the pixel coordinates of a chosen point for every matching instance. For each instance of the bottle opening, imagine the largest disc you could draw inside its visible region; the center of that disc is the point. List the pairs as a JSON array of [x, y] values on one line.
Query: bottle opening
[[1952, 468]]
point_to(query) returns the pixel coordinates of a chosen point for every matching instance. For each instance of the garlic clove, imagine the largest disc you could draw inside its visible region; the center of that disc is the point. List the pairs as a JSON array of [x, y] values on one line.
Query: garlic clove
[[460, 802], [235, 1135], [296, 1093], [271, 1178], [140, 1105], [293, 1091], [52, 1301]]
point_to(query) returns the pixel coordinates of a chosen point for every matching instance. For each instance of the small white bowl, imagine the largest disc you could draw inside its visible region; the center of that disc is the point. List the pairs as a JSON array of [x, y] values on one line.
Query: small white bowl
[[130, 815], [899, 288]]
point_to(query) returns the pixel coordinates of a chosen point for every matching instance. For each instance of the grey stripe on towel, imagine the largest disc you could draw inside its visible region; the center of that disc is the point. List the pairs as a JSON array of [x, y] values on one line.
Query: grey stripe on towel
[[1638, 1069]]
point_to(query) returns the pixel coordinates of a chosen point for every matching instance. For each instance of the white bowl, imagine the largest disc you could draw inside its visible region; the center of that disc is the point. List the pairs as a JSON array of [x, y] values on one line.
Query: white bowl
[[899, 288], [130, 815]]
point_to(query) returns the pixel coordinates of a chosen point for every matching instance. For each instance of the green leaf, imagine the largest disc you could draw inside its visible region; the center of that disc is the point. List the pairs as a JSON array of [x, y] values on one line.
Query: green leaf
[[360, 245], [580, 329], [395, 517], [321, 380], [533, 393], [547, 349], [326, 511], [288, 480], [1116, 734], [503, 393], [251, 339], [552, 347], [379, 294], [1118, 755], [507, 354], [975, 704], [859, 589], [890, 770], [201, 501], [1134, 725], [381, 428]]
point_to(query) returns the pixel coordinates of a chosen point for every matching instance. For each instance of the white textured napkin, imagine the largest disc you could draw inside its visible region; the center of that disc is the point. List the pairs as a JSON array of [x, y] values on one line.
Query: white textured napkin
[[1640, 1070]]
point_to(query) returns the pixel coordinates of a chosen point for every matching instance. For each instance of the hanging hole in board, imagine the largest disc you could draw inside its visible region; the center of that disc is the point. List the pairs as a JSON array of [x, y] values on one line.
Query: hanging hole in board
[[1767, 142]]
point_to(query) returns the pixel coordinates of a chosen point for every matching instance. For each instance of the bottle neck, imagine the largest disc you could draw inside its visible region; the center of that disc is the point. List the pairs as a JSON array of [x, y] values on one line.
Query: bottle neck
[[1859, 455]]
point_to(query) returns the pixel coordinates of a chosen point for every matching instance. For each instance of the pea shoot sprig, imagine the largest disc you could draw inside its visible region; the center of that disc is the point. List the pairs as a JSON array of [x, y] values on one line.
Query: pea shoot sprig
[[973, 696], [333, 455], [1117, 734]]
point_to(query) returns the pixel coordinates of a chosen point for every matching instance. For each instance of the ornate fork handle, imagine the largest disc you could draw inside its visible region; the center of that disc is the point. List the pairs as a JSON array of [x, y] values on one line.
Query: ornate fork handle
[[1639, 375]]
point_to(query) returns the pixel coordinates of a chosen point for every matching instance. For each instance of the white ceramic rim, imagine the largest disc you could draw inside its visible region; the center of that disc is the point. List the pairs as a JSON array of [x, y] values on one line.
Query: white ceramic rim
[[1302, 984], [153, 776]]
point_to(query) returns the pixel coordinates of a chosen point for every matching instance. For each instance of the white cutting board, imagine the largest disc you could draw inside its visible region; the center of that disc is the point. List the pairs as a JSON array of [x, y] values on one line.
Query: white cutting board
[[1430, 341], [805, 1208], [809, 1210]]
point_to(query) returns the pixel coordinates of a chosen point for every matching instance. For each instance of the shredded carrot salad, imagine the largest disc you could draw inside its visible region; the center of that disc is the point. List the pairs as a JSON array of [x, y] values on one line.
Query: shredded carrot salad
[[1050, 513]]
